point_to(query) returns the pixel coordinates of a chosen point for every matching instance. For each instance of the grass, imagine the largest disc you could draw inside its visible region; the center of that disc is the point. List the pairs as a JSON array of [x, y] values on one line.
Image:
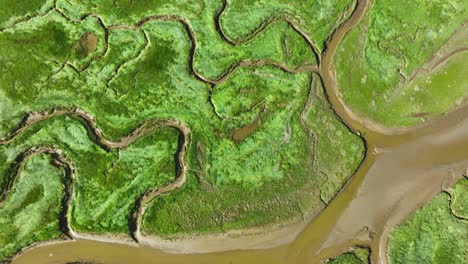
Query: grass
[[356, 256], [459, 194], [317, 18], [214, 56], [284, 170], [33, 54], [30, 213], [433, 234], [13, 11], [108, 183], [389, 46], [278, 181], [280, 172]]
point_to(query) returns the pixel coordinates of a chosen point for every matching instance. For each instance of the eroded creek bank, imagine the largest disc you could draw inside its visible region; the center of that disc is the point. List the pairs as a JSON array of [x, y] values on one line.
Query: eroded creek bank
[[402, 171]]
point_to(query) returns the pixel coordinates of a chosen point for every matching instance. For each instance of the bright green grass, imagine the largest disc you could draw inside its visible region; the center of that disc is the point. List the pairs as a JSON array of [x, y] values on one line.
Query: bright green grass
[[276, 174], [432, 234], [108, 183], [143, 77], [214, 56], [290, 165], [33, 57], [317, 18], [393, 41], [265, 154], [30, 213], [356, 256]]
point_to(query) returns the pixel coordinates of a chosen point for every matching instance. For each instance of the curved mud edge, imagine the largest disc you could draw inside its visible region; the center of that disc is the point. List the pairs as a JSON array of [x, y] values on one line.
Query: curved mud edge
[[254, 238], [360, 122], [380, 245], [36, 245], [261, 238]]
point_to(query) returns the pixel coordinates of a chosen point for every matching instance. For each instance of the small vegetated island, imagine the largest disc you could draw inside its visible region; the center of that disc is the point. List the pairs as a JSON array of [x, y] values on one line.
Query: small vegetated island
[[148, 121]]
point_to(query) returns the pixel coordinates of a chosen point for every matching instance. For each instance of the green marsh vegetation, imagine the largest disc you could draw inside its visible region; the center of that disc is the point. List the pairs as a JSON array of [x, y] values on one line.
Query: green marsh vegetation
[[436, 233], [317, 18], [356, 256], [283, 171], [142, 61], [108, 183], [378, 63], [30, 212], [213, 56], [13, 11], [276, 174]]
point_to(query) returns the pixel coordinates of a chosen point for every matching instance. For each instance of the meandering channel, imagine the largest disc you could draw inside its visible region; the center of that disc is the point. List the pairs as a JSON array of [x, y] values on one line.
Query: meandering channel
[[59, 160], [96, 134]]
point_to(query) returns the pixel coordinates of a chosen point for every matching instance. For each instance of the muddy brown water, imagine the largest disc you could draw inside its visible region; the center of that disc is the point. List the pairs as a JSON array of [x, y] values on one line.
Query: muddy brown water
[[241, 133], [91, 42], [87, 44], [403, 170]]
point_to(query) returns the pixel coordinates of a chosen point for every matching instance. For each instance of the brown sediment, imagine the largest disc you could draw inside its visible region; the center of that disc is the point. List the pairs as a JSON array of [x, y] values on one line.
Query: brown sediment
[[344, 17], [86, 44], [80, 20], [295, 228], [89, 45], [327, 71], [241, 133], [356, 121], [264, 62], [421, 114], [382, 196], [192, 36], [447, 56], [402, 211], [449, 192], [97, 135], [181, 172], [351, 251]]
